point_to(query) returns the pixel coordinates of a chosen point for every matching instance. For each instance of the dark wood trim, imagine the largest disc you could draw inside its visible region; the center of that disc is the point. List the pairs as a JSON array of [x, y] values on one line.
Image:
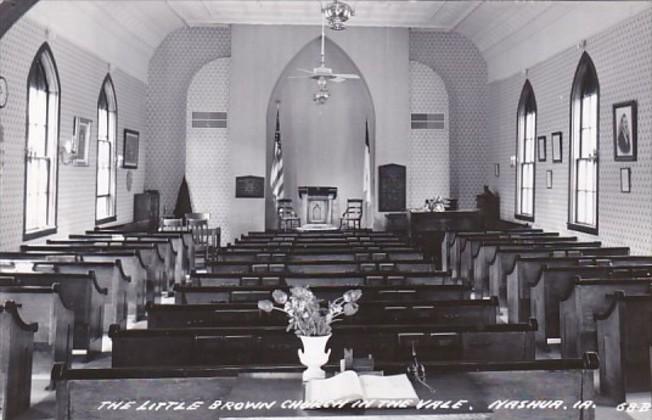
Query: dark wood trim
[[38, 234], [11, 11], [582, 228], [106, 219]]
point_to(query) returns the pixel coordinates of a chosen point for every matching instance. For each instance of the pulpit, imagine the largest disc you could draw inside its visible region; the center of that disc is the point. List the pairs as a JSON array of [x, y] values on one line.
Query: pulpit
[[317, 204]]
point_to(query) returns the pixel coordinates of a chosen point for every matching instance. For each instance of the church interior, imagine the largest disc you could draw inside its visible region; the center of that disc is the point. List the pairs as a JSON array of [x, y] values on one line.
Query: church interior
[[325, 208]]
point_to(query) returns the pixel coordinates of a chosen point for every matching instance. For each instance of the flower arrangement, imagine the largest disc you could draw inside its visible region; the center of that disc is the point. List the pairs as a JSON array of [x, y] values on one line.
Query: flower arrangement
[[307, 316], [435, 204]]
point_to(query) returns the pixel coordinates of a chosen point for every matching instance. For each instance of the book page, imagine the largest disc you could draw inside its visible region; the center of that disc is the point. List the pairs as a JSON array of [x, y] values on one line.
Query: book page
[[345, 386], [393, 387]]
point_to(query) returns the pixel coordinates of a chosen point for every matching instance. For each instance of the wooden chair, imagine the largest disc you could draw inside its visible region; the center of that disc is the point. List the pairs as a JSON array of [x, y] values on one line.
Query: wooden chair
[[352, 215], [287, 217], [206, 240]]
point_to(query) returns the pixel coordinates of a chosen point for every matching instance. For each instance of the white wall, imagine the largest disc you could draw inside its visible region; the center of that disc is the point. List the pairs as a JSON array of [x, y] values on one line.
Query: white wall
[[81, 75], [381, 54], [208, 168]]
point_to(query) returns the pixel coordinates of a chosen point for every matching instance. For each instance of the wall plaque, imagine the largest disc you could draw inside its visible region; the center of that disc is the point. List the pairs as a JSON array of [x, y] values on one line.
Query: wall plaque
[[249, 186], [391, 187]]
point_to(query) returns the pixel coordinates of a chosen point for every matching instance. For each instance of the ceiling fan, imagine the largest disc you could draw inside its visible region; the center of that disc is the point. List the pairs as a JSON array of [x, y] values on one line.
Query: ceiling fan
[[323, 74]]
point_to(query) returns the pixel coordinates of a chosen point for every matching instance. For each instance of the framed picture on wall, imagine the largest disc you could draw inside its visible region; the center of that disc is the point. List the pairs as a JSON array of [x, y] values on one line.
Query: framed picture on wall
[[81, 137], [557, 152], [131, 139], [624, 124], [625, 180], [541, 148]]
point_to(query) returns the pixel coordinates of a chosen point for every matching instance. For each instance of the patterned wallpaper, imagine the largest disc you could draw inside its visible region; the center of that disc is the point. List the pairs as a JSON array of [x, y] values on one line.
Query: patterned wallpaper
[[171, 70], [459, 63], [208, 154], [428, 170], [623, 59], [81, 74]]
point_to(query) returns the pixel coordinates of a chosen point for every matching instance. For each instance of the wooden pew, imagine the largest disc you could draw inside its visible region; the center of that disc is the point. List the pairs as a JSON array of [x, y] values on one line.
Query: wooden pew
[[624, 334], [110, 275], [182, 240], [449, 312], [159, 251], [46, 306], [16, 348], [149, 253], [273, 344], [85, 296], [394, 278], [321, 266], [455, 240], [465, 244], [505, 257], [81, 391], [252, 256], [586, 298], [143, 276], [527, 269], [172, 248], [487, 252], [193, 294], [554, 283]]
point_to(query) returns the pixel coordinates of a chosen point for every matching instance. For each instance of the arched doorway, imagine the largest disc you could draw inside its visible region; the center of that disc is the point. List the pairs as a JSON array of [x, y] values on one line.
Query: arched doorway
[[323, 145]]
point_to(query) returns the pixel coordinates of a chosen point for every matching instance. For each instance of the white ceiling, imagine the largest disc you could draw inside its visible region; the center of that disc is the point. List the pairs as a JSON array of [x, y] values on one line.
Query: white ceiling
[[128, 31]]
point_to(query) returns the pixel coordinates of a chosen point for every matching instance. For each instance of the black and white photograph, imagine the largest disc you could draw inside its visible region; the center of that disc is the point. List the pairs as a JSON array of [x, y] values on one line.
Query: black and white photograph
[[330, 209], [557, 147], [625, 125]]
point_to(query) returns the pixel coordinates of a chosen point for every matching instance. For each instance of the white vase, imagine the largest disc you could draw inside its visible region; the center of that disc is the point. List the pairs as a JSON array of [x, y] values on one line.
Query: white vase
[[314, 356]]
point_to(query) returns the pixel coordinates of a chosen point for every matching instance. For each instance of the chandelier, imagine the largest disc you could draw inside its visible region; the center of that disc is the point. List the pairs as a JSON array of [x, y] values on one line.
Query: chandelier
[[321, 96], [337, 13]]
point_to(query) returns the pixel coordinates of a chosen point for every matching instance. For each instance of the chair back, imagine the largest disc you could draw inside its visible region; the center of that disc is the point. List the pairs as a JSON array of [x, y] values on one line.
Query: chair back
[[171, 223], [284, 208], [354, 207]]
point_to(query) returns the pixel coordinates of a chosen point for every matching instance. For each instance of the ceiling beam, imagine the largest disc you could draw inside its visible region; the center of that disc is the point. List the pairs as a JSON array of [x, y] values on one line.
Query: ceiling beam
[[11, 11], [465, 15]]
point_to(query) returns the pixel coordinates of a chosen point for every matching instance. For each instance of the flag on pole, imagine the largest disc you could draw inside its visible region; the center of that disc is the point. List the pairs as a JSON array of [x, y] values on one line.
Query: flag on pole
[[276, 175], [366, 176]]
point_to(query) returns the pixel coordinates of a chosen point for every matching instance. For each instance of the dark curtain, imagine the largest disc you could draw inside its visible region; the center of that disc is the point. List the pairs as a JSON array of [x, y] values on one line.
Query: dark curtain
[[183, 205]]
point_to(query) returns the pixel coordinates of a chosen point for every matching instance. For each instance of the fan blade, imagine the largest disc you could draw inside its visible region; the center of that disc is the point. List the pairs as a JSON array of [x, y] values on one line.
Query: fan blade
[[338, 80], [305, 71], [299, 77], [346, 76]]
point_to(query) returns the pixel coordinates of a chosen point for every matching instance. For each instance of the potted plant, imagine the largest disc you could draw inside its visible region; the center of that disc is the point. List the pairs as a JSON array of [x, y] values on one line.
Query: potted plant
[[311, 321]]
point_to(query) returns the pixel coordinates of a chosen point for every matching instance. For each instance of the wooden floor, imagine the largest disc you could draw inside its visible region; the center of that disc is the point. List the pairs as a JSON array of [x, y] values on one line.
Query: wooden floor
[[44, 407]]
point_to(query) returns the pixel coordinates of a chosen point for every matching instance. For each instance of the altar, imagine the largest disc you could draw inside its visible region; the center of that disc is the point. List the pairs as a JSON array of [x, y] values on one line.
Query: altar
[[317, 205]]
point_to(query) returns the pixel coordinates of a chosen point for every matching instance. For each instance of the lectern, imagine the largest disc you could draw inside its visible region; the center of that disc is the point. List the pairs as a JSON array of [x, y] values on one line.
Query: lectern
[[317, 204]]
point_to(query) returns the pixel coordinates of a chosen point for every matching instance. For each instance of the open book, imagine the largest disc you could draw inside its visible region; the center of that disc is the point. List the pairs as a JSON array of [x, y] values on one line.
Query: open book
[[374, 390]]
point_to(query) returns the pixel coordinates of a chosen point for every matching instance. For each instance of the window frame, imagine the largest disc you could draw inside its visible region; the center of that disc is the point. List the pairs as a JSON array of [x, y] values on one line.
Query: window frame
[[44, 50], [527, 93], [585, 67], [114, 151]]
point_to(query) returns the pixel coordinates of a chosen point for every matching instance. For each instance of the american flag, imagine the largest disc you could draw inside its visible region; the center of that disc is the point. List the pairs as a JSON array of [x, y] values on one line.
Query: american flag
[[276, 175], [366, 175]]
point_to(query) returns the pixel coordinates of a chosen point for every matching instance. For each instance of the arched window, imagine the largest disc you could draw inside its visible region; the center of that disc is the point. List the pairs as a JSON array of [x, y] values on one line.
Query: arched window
[[43, 88], [526, 132], [107, 126], [584, 146]]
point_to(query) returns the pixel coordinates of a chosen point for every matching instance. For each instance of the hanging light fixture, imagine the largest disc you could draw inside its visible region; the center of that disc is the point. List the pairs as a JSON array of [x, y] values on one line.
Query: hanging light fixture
[[337, 13], [321, 96]]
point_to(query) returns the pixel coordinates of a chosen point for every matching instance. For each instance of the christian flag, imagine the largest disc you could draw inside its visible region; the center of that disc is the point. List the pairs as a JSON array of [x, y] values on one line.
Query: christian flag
[[276, 175], [366, 176]]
